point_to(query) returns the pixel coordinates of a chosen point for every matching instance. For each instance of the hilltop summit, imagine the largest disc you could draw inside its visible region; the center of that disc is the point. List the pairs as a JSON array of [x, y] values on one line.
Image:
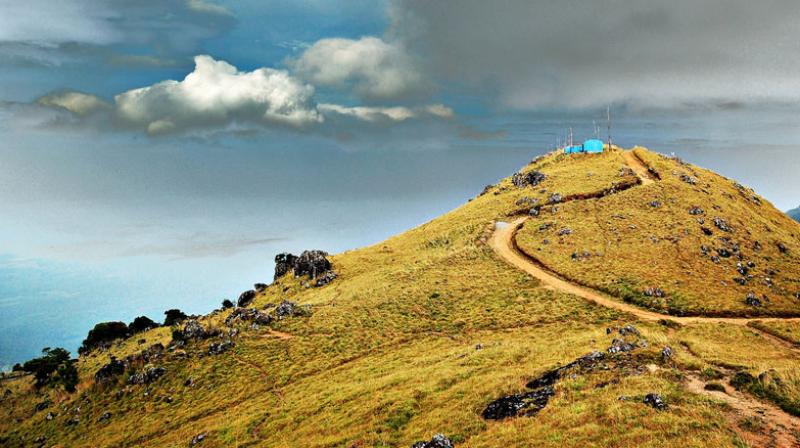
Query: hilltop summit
[[622, 298]]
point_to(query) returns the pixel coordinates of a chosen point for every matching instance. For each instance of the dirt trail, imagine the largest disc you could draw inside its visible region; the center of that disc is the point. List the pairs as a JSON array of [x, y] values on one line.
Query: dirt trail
[[780, 429], [278, 334], [638, 167], [503, 242]]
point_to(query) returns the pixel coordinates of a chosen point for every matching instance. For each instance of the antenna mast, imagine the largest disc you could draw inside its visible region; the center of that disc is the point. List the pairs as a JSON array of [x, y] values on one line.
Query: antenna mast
[[608, 119]]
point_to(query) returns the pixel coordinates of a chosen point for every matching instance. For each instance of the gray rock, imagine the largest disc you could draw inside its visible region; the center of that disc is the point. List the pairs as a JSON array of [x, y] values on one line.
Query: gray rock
[[655, 401], [438, 441]]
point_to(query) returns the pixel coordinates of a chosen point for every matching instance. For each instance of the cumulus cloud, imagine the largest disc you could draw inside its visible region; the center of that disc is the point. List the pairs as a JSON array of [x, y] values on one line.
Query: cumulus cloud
[[215, 94], [532, 54], [81, 104], [218, 96], [373, 68]]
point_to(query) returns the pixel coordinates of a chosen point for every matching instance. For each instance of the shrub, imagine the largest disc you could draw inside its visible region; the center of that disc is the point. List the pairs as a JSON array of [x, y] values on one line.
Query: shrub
[[227, 304], [173, 316], [142, 323], [102, 334], [53, 367]]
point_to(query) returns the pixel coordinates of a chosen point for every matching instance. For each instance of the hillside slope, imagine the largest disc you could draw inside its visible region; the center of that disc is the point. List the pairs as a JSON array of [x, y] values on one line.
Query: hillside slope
[[421, 334]]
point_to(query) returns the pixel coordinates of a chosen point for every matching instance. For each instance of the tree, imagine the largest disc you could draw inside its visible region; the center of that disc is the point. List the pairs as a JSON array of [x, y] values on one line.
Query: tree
[[227, 304], [142, 323], [54, 366], [102, 334], [173, 317]]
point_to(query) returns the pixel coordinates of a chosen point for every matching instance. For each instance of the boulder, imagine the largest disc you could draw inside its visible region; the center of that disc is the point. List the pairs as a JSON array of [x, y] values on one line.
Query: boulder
[[147, 375], [722, 225], [752, 300], [655, 401], [284, 263], [438, 441], [246, 297], [325, 278], [197, 439], [531, 178], [312, 263], [287, 309], [620, 346], [109, 371], [529, 403], [220, 347], [696, 211], [193, 330], [248, 315]]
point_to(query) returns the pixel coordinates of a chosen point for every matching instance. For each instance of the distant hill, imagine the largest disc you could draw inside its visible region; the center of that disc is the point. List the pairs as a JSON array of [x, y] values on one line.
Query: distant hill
[[794, 214], [587, 300]]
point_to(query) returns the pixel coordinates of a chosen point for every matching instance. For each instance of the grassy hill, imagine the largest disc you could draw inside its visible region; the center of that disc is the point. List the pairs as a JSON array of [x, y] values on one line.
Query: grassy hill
[[417, 335]]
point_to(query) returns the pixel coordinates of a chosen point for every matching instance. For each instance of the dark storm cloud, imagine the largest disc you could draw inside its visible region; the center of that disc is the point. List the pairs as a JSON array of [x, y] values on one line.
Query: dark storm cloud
[[569, 53]]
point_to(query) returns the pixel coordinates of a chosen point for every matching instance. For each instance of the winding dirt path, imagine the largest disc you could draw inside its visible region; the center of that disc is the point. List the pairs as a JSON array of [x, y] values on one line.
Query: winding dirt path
[[503, 242]]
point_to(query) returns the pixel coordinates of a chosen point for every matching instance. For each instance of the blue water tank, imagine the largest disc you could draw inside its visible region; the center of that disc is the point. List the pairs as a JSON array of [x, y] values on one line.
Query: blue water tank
[[593, 145], [573, 149]]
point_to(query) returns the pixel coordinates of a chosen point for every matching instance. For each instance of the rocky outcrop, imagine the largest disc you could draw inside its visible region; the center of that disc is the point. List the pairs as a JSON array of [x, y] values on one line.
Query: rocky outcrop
[[288, 309], [246, 297], [531, 178], [529, 403], [438, 441], [147, 375], [655, 401], [248, 315], [311, 263]]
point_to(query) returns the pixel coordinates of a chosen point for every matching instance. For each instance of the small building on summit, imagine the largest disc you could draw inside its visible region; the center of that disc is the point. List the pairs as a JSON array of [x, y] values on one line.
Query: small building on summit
[[591, 146]]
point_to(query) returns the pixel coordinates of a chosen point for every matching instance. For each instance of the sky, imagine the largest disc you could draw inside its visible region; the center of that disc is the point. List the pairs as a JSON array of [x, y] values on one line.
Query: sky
[[158, 153]]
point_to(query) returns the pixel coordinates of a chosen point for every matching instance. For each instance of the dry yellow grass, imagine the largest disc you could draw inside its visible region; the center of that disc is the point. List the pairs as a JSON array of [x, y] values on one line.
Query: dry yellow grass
[[389, 355]]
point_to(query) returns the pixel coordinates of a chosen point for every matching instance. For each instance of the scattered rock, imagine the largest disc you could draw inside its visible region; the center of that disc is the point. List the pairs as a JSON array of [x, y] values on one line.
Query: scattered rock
[[326, 278], [110, 371], [217, 348], [781, 247], [655, 401], [722, 225], [620, 346], [555, 198], [654, 292], [248, 314], [688, 179], [696, 211], [531, 178], [529, 403], [246, 297], [706, 231], [666, 353], [752, 300], [630, 329], [193, 330], [550, 377], [147, 376], [50, 416], [438, 441], [104, 417], [287, 309], [197, 439], [655, 204], [565, 231]]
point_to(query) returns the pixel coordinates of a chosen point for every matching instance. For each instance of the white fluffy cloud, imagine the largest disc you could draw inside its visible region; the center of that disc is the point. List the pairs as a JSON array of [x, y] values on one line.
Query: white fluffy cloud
[[78, 103], [373, 68], [216, 94]]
